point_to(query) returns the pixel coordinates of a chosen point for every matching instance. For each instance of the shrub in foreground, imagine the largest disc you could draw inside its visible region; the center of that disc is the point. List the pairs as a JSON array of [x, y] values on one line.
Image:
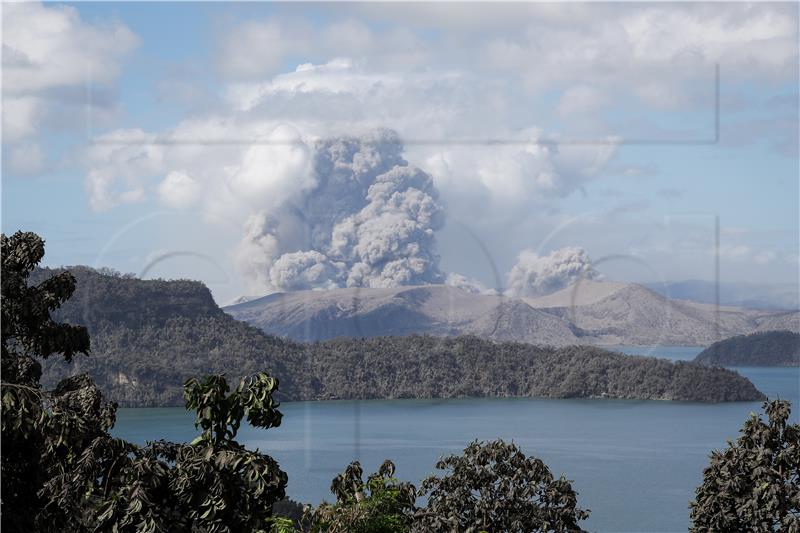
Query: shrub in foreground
[[382, 504], [754, 484], [494, 487]]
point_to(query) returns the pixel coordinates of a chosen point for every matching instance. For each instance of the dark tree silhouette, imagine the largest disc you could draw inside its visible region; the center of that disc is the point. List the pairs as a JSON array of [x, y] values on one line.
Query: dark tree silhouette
[[63, 471], [29, 432], [754, 484]]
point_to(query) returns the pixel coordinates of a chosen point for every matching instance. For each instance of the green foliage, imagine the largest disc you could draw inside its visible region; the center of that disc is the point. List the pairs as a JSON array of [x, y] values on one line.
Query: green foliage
[[62, 471], [219, 414], [213, 484], [279, 524], [768, 348], [433, 367], [494, 487], [754, 484], [381, 505]]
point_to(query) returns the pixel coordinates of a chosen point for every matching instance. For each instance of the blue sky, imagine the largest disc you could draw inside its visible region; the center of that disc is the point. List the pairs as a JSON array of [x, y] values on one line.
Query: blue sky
[[116, 118]]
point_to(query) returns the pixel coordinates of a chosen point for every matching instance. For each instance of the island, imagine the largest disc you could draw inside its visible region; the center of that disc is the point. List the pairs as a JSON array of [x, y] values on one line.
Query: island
[[768, 348]]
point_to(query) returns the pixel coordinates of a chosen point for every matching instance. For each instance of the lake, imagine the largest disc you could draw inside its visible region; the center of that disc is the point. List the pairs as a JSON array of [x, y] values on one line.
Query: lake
[[634, 463]]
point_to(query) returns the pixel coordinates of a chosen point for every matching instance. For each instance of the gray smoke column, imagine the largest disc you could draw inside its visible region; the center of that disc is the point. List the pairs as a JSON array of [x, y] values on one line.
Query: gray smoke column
[[535, 275], [369, 220]]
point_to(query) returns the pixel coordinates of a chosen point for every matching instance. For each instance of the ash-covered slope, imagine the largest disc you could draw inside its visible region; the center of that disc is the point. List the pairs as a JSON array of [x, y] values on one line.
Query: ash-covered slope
[[431, 309], [788, 321], [592, 312], [616, 313]]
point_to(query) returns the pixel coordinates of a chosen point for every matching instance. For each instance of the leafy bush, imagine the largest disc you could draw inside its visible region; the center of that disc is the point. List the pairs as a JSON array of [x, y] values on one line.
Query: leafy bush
[[754, 484], [494, 487], [381, 505]]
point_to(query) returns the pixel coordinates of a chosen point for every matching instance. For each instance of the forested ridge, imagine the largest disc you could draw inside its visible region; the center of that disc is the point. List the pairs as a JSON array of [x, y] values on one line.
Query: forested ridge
[[768, 348], [148, 337]]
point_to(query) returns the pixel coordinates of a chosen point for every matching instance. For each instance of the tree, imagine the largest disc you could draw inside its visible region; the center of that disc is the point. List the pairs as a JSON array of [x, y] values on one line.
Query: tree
[[35, 427], [494, 487], [381, 505], [754, 484], [62, 471]]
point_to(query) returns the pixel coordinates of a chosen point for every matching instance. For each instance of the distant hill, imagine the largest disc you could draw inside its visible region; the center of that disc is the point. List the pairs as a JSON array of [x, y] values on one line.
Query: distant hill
[[429, 309], [614, 313], [788, 321], [148, 337], [447, 367], [785, 296], [769, 348], [593, 312]]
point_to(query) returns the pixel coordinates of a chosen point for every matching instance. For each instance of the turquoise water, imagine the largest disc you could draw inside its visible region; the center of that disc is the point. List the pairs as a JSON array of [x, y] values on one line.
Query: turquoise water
[[634, 463]]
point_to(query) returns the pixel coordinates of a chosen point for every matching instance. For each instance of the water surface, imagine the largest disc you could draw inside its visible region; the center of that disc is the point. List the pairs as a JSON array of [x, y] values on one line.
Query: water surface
[[635, 463]]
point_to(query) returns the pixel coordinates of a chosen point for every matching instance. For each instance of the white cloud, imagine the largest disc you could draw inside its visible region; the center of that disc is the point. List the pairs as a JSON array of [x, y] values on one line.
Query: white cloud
[[48, 47], [661, 55], [48, 53], [341, 97], [179, 190], [755, 35], [118, 161], [274, 170]]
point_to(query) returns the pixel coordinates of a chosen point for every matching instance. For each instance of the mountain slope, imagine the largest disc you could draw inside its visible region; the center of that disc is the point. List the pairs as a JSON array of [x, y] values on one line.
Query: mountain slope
[[633, 314], [788, 321], [149, 336], [594, 312], [431, 309]]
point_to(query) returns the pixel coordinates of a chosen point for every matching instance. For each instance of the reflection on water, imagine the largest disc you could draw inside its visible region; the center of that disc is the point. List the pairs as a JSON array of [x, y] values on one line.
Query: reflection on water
[[635, 463]]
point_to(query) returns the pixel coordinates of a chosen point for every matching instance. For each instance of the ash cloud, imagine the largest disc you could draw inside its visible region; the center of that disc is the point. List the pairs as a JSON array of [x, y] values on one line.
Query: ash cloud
[[363, 218], [534, 275], [459, 281]]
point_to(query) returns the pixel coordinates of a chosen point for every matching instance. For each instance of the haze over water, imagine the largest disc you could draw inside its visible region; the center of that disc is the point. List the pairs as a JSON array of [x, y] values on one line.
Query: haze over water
[[635, 463]]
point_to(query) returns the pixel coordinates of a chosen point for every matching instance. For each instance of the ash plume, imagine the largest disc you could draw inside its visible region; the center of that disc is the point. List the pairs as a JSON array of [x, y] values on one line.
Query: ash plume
[[364, 218], [535, 275]]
